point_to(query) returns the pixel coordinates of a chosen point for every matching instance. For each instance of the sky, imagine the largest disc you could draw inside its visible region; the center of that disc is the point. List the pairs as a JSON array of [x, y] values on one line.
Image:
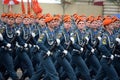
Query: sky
[[45, 1]]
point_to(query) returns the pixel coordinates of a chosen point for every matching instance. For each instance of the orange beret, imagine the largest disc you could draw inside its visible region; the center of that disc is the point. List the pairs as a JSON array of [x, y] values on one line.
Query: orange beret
[[26, 16], [39, 16], [31, 15], [58, 15], [107, 22], [90, 18], [82, 15], [114, 18], [48, 15], [67, 15], [56, 18], [3, 14], [48, 19], [67, 19], [18, 15], [80, 18], [11, 15], [99, 17]]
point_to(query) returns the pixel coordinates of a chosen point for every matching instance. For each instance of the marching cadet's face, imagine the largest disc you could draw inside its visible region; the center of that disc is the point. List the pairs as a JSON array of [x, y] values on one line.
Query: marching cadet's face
[[26, 21], [37, 20], [32, 20], [81, 25], [5, 19], [2, 19], [110, 27], [67, 25], [117, 24], [51, 24], [99, 23], [41, 21], [56, 23], [94, 25], [18, 20], [10, 21], [88, 23]]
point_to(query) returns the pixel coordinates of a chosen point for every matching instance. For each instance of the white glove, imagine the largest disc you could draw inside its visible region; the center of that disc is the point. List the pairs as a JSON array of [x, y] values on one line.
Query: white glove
[[111, 57], [87, 39], [25, 45], [118, 40], [48, 53], [92, 50], [58, 41], [37, 47], [65, 52], [99, 38], [81, 49], [33, 34], [72, 39], [1, 37], [17, 44], [8, 45], [30, 45], [18, 32]]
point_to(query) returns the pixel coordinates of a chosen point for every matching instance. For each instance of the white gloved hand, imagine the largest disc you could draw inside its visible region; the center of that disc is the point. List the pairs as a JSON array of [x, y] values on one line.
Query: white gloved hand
[[30, 45], [37, 47], [93, 50], [1, 37], [58, 41], [17, 44], [118, 40], [65, 52], [87, 39], [99, 38], [33, 34], [25, 45], [112, 57], [81, 49], [8, 45], [48, 53], [18, 32], [72, 39]]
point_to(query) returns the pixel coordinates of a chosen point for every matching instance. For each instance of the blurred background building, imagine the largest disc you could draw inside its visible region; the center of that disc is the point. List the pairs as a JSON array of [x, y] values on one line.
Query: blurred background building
[[82, 7]]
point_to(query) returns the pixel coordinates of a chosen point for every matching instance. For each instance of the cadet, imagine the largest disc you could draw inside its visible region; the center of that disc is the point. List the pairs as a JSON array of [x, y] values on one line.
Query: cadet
[[106, 46], [45, 42], [79, 40], [10, 35], [64, 39], [22, 58], [91, 55]]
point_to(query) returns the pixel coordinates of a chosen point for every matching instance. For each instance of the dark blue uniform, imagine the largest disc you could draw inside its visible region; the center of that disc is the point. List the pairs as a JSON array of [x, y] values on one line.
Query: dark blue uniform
[[9, 36], [106, 47], [46, 67], [77, 60]]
